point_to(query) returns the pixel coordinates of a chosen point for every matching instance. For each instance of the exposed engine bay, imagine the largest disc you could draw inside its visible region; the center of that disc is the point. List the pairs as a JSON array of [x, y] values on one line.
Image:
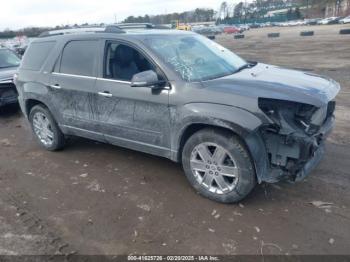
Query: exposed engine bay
[[295, 140]]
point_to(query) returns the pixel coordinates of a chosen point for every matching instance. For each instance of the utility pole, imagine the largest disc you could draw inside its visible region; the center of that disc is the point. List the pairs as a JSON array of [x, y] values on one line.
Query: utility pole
[[337, 8], [245, 11]]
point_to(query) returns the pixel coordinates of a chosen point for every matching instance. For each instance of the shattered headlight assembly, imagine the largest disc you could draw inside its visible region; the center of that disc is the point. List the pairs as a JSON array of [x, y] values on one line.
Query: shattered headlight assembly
[[289, 116]]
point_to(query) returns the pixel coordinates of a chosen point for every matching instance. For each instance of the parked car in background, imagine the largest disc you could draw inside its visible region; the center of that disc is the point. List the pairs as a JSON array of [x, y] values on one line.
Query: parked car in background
[[312, 21], [334, 20], [295, 23], [9, 63], [232, 30], [207, 30], [345, 20], [243, 27], [323, 21], [20, 50], [254, 25], [329, 21]]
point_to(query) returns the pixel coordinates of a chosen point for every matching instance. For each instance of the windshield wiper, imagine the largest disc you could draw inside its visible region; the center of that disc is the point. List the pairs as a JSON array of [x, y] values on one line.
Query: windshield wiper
[[245, 66]]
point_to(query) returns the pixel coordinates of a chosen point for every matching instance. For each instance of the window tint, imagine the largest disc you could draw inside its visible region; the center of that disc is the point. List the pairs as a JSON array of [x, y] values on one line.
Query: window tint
[[122, 62], [79, 58], [36, 55]]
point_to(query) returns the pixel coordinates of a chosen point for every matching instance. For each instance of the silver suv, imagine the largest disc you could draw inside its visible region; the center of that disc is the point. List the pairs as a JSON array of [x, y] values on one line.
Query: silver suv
[[9, 63], [178, 95]]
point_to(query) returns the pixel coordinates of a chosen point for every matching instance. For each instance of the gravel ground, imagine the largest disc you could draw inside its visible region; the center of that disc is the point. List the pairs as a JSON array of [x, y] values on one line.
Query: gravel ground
[[93, 198]]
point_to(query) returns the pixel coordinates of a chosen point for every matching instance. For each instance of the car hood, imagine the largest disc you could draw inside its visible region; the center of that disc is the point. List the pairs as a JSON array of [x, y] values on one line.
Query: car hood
[[7, 73], [268, 81]]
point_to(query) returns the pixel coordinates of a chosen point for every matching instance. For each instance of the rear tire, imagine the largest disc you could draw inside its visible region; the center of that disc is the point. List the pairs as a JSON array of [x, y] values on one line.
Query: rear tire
[[45, 128], [218, 166]]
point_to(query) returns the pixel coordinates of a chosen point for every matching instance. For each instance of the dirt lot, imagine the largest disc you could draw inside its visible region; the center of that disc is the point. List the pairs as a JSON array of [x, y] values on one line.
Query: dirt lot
[[94, 198]]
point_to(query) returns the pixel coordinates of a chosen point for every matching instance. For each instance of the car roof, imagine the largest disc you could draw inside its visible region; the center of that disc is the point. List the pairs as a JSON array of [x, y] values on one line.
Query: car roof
[[132, 33]]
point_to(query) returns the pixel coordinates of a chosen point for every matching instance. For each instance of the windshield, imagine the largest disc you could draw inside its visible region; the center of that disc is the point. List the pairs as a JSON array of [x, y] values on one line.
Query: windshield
[[195, 58], [8, 59]]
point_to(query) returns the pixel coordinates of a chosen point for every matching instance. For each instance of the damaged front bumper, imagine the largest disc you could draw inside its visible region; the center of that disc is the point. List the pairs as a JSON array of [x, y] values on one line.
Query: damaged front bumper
[[318, 152], [287, 156], [293, 157]]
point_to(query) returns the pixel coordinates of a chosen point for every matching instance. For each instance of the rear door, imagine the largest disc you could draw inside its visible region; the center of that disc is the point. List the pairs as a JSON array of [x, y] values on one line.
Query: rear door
[[73, 85]]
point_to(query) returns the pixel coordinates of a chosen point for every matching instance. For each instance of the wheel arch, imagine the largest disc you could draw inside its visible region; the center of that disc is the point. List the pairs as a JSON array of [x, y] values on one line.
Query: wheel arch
[[195, 116], [32, 100], [30, 103], [252, 142], [193, 128], [239, 122]]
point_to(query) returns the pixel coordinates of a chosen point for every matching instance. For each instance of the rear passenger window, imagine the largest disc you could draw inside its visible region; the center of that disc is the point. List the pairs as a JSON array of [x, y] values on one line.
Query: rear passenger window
[[79, 58], [36, 55]]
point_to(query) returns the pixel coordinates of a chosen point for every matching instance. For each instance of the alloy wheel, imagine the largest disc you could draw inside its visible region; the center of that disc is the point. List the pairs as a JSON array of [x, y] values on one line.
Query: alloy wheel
[[214, 168], [43, 129]]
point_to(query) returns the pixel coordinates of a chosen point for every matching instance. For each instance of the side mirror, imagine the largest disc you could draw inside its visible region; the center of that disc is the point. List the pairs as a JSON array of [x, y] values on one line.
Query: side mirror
[[147, 79]]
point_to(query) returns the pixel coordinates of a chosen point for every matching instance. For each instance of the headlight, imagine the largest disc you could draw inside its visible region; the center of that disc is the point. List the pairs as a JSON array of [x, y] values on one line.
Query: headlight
[[289, 116]]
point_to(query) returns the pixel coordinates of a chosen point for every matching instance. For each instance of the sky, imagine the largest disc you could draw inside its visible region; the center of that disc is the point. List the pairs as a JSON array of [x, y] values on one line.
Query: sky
[[16, 14]]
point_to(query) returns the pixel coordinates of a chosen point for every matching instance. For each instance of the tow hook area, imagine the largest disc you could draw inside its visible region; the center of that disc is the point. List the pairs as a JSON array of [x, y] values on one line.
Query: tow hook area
[[289, 155]]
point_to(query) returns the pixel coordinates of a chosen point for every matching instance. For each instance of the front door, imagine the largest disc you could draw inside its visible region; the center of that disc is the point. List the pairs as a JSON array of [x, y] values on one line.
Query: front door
[[133, 117]]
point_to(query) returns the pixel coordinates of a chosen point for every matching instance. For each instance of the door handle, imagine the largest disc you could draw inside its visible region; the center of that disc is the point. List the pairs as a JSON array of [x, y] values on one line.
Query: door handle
[[56, 86], [105, 94]]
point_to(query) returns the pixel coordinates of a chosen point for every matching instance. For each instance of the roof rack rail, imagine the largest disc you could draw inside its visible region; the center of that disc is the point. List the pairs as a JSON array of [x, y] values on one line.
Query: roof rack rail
[[135, 25], [107, 29], [140, 26], [113, 28]]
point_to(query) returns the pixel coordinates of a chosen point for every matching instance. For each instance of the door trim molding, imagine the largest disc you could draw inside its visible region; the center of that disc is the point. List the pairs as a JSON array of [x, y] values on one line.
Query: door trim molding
[[113, 80], [72, 75]]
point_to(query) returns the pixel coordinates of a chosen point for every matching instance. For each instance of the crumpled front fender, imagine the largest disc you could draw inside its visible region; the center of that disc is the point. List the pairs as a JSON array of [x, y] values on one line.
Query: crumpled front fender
[[238, 120]]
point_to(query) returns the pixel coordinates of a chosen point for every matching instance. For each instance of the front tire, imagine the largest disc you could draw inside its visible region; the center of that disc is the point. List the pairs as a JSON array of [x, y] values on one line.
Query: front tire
[[218, 166], [45, 128]]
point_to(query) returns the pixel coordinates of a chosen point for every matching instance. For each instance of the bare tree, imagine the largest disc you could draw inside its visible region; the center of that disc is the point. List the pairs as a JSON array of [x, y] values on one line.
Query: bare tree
[[224, 10]]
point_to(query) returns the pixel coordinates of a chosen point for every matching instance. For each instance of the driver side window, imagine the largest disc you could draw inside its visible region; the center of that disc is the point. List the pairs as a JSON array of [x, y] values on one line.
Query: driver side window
[[122, 62]]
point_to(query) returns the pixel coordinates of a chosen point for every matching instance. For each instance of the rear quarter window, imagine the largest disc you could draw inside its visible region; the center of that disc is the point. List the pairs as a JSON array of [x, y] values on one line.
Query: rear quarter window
[[36, 55]]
